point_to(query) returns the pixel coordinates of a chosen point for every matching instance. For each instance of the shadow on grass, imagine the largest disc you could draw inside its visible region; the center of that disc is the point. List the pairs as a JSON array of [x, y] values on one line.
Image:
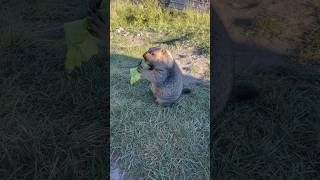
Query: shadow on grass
[[173, 41]]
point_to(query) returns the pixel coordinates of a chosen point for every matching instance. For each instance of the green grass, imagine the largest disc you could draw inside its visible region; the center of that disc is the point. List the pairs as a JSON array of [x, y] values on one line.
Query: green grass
[[194, 69], [150, 141], [194, 25], [53, 124], [277, 135], [157, 142]]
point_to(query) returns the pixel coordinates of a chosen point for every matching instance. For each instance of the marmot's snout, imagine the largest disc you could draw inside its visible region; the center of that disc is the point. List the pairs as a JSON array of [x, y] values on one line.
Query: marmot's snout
[[145, 55], [151, 54], [146, 60]]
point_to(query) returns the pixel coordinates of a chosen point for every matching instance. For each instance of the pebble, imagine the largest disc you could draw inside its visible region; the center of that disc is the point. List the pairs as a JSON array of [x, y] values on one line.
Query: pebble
[[120, 30], [195, 56]]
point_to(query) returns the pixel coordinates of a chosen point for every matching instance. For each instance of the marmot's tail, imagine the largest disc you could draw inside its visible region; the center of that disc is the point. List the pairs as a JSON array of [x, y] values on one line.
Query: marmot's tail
[[243, 92], [189, 80]]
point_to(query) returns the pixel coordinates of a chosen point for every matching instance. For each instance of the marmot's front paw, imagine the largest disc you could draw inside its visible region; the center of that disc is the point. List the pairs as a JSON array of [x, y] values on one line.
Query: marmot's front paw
[[139, 69]]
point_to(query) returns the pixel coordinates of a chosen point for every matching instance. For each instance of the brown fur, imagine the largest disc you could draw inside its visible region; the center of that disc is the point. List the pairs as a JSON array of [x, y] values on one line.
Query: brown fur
[[164, 74], [224, 88]]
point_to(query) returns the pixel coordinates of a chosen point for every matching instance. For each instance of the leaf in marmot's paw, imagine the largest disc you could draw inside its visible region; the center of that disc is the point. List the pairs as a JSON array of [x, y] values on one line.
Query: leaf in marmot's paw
[[135, 75], [72, 58], [75, 31], [80, 43], [144, 65], [89, 47]]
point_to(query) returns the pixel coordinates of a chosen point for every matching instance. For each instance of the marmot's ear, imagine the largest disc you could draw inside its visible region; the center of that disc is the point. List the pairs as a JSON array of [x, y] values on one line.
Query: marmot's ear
[[164, 51]]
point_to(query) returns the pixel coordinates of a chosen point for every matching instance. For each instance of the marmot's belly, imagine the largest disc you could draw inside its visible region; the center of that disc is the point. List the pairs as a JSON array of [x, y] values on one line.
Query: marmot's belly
[[167, 93]]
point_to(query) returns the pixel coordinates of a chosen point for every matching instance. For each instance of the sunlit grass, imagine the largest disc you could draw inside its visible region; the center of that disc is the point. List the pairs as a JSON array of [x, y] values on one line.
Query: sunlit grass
[[150, 141]]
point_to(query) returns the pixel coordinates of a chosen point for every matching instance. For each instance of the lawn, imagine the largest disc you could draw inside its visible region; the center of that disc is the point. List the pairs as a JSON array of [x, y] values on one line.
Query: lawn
[[53, 124], [149, 141], [277, 135]]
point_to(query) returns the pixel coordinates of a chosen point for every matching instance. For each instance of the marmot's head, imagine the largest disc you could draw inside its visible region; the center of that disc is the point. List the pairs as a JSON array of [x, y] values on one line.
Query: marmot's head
[[158, 57]]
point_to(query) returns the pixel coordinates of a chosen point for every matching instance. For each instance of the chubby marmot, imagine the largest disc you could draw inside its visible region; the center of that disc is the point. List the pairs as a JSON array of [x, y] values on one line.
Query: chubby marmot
[[164, 74], [224, 87]]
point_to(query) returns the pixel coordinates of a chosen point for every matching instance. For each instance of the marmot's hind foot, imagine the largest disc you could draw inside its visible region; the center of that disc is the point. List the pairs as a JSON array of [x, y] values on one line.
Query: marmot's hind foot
[[165, 104]]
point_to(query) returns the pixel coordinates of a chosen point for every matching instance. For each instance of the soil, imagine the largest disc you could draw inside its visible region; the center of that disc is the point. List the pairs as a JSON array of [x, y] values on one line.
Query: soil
[[271, 30], [191, 61]]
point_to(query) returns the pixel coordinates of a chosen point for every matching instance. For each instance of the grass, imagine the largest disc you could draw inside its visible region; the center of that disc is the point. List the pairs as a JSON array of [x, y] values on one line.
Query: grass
[[276, 136], [53, 124], [194, 69], [266, 26], [195, 25], [149, 141], [310, 53]]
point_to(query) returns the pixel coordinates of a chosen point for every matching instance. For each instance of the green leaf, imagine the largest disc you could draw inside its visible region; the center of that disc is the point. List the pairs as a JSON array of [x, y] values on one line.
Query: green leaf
[[144, 65], [81, 45], [135, 75], [89, 46], [72, 59], [75, 31]]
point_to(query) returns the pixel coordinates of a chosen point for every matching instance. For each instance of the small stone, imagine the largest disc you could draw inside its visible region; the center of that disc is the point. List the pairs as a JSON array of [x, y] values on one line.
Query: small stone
[[194, 56], [120, 30]]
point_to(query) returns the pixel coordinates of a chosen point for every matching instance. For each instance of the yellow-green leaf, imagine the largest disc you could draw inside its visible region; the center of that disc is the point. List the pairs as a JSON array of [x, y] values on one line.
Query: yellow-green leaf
[[76, 31], [135, 75], [89, 46], [81, 45], [144, 65], [72, 58]]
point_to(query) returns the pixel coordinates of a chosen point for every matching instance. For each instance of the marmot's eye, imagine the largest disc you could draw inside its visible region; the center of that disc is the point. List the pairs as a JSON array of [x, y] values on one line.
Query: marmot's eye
[[152, 54]]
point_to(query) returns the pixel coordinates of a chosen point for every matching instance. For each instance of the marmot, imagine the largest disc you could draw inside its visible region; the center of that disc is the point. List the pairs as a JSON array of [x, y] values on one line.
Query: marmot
[[224, 88], [164, 74]]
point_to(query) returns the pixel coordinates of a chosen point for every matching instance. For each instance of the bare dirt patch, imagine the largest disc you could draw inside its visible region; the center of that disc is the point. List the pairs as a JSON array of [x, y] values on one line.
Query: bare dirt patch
[[192, 62]]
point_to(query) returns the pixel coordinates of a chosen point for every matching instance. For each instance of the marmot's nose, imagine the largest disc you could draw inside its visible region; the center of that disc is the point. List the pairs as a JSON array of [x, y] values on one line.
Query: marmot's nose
[[144, 55]]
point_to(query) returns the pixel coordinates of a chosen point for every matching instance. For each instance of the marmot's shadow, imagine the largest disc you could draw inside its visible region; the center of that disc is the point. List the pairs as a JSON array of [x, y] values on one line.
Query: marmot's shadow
[[173, 41]]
